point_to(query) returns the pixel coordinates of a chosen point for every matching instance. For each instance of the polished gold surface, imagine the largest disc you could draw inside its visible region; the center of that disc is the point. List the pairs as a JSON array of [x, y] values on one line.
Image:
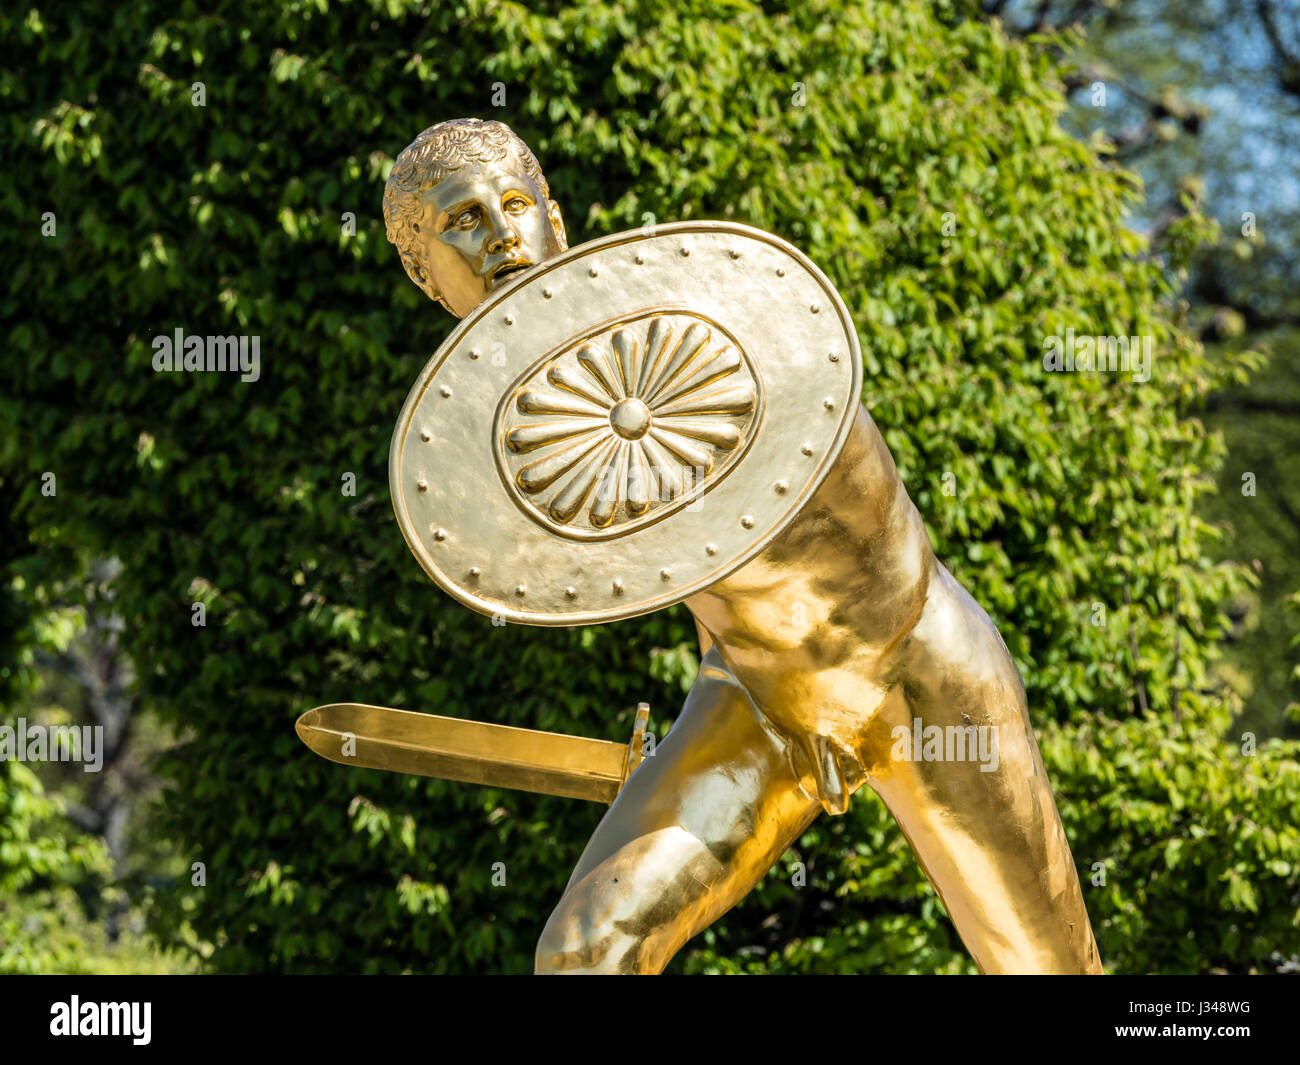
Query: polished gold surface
[[854, 642], [840, 652], [473, 752], [620, 429], [596, 440], [461, 240]]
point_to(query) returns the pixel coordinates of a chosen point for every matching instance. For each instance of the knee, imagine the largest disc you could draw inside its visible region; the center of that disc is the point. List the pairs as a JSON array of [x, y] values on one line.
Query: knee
[[572, 942], [632, 912]]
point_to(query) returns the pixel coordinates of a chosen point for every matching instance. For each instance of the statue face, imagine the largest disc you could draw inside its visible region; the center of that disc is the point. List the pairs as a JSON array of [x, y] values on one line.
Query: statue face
[[482, 225]]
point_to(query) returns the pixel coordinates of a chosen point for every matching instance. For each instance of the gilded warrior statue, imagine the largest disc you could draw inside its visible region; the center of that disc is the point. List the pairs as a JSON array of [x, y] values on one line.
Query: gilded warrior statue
[[674, 415]]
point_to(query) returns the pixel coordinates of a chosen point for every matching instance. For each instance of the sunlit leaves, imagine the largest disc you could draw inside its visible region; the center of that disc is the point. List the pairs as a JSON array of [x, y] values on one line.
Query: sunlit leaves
[[924, 172]]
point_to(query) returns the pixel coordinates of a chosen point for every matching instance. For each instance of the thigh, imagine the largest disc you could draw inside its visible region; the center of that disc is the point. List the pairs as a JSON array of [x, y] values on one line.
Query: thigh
[[695, 827], [975, 802]]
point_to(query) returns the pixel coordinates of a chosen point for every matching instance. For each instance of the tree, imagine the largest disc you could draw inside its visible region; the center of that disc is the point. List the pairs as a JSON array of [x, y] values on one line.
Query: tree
[[1201, 99], [220, 172]]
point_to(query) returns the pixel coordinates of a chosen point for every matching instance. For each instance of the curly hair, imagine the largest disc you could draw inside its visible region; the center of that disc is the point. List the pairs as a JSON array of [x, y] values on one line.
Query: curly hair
[[431, 157]]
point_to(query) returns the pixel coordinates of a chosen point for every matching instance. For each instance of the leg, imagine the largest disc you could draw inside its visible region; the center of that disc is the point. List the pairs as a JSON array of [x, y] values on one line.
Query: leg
[[982, 822], [844, 629], [694, 828]]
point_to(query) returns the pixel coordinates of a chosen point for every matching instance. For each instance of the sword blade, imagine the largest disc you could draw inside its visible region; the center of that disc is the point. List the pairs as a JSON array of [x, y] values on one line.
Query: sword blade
[[473, 752]]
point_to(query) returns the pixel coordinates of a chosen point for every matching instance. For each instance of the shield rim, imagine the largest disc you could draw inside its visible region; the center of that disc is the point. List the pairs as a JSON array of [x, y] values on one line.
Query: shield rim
[[633, 609]]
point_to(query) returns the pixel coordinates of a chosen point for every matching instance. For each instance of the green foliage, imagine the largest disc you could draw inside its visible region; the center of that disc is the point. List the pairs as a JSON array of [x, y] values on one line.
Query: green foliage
[[1071, 490], [53, 893], [1241, 286], [41, 867], [1260, 504], [52, 877], [56, 883]]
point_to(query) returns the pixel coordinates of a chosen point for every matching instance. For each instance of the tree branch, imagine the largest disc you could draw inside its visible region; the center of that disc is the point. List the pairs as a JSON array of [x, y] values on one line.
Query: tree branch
[[1288, 62]]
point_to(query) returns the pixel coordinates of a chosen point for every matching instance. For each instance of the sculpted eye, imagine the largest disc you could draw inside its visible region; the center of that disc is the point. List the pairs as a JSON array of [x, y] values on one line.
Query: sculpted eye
[[517, 205], [466, 218]]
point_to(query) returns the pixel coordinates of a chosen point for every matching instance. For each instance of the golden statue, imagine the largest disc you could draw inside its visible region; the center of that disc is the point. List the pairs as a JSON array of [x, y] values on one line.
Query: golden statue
[[673, 415]]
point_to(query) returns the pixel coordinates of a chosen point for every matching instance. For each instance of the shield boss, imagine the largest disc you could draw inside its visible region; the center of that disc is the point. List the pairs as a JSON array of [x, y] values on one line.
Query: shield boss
[[625, 424]]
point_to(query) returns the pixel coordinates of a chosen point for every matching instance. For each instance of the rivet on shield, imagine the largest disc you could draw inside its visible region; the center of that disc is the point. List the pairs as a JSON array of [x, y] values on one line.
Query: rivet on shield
[[668, 404]]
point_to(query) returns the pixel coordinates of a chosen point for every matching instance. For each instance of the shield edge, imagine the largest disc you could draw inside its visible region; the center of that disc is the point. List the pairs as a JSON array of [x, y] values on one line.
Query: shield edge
[[405, 416]]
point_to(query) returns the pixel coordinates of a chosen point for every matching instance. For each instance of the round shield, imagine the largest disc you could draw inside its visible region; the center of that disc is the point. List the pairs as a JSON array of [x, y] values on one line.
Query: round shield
[[625, 424]]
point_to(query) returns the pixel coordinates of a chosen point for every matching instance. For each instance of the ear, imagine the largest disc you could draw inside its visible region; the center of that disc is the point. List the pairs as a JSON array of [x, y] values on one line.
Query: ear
[[416, 272], [436, 296], [427, 285], [557, 223]]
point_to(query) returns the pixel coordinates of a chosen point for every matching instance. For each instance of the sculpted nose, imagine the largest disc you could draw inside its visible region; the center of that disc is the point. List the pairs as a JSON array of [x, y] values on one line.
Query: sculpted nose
[[503, 237]]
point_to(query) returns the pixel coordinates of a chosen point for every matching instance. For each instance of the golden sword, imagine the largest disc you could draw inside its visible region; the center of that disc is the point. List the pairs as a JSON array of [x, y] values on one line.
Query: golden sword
[[474, 752]]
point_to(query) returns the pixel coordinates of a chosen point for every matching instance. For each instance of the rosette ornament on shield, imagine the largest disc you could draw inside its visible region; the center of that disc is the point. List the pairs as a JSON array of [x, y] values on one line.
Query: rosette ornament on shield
[[625, 424]]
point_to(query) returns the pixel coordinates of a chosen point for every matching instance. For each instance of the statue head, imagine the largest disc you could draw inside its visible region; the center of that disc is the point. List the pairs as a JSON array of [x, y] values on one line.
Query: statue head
[[468, 208]]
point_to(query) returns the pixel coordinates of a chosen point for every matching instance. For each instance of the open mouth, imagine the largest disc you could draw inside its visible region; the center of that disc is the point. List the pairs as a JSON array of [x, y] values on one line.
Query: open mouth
[[503, 273]]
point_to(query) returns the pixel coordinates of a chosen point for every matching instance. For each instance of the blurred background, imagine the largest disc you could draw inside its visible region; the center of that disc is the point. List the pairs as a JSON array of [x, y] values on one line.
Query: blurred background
[[973, 176]]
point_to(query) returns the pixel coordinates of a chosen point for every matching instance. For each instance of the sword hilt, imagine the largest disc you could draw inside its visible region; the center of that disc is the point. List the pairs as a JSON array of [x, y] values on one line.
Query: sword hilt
[[636, 745]]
